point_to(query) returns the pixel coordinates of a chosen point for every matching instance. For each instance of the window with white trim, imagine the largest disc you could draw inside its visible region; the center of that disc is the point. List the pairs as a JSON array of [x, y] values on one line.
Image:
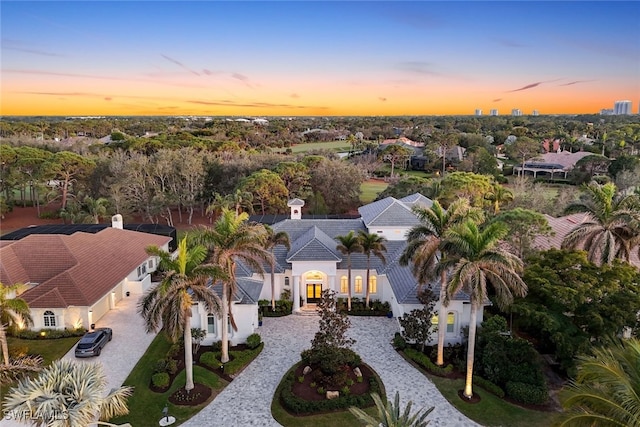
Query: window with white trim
[[49, 319], [373, 285], [344, 285], [211, 324], [358, 285]]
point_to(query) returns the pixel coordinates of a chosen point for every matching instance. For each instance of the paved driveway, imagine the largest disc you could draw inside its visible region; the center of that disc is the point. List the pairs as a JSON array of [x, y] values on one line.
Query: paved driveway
[[247, 400], [128, 345], [125, 349]]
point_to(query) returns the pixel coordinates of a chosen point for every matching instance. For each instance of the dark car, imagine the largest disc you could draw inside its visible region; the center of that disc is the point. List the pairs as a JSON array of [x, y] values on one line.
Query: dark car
[[92, 343]]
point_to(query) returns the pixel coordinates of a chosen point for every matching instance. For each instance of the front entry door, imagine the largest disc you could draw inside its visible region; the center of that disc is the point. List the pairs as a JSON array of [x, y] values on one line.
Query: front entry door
[[314, 292]]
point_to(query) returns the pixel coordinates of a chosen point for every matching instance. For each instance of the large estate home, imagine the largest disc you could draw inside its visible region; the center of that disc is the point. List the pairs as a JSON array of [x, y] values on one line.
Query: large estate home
[[72, 277], [313, 264]]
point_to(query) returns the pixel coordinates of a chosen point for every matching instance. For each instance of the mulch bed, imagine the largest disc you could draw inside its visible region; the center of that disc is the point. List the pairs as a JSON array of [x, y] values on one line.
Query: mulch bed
[[306, 392], [200, 394], [474, 399]]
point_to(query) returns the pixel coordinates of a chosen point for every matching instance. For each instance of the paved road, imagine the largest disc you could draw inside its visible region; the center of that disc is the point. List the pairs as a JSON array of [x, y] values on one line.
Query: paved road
[[247, 400]]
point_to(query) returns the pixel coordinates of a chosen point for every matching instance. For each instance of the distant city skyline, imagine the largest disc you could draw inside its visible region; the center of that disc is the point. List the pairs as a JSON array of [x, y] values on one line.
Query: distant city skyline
[[317, 58]]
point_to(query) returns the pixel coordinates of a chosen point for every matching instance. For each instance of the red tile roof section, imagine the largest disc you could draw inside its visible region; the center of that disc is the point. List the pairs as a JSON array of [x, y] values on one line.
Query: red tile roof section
[[78, 269]]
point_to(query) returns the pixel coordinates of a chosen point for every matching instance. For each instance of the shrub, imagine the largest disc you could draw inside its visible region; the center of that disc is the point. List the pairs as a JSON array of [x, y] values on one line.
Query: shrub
[[360, 379], [424, 361], [216, 346], [241, 359], [345, 390], [209, 358], [321, 390], [161, 366], [28, 334], [174, 350], [488, 386], [301, 379], [253, 341], [172, 366], [398, 342], [527, 393], [160, 380], [313, 385]]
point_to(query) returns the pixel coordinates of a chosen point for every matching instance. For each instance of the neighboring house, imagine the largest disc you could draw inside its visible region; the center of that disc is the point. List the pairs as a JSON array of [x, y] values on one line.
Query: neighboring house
[[403, 140], [73, 280], [562, 226], [454, 154], [313, 264], [553, 163]]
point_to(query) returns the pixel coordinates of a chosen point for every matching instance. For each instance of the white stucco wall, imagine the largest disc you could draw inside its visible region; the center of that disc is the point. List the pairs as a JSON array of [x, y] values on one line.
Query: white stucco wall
[[390, 233], [245, 316]]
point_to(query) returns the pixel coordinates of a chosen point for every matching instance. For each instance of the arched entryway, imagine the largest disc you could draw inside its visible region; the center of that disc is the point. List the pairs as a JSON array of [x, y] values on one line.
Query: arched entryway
[[314, 283]]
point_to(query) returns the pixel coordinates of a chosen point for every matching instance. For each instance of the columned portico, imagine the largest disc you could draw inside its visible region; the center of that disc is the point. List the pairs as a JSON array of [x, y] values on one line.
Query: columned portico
[[296, 293]]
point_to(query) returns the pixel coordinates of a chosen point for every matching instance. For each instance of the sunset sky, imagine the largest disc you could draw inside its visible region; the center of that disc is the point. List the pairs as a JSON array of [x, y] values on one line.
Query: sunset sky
[[279, 58]]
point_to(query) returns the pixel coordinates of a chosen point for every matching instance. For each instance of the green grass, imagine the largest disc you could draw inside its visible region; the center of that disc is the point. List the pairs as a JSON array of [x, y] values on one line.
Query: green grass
[[369, 190], [337, 146], [49, 350], [145, 406]]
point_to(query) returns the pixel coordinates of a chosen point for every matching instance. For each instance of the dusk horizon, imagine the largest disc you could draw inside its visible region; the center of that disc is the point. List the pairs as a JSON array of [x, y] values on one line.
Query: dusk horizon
[[317, 58]]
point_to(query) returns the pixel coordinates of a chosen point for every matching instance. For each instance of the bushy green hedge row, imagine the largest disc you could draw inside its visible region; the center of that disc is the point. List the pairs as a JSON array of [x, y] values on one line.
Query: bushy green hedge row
[[527, 393], [488, 386], [253, 341], [239, 359], [424, 361], [358, 307], [283, 308], [297, 405], [27, 334]]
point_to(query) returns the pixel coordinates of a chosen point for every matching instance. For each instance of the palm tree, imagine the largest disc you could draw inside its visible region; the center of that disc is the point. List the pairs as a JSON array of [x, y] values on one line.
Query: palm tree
[[371, 243], [272, 240], [167, 305], [610, 229], [13, 312], [230, 239], [474, 260], [68, 388], [349, 243], [606, 390], [498, 196], [389, 415], [424, 249], [19, 368], [95, 208]]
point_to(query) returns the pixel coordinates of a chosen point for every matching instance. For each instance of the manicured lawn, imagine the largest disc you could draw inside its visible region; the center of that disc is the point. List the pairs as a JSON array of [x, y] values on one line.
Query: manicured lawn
[[369, 190], [49, 350], [491, 410], [333, 419], [145, 406]]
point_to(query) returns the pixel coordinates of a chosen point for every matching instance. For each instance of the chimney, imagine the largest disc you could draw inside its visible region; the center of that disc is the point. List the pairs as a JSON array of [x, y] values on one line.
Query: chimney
[[296, 208], [116, 221]]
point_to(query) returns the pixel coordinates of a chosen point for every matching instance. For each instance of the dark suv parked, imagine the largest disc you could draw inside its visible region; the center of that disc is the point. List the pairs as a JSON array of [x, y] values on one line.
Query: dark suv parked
[[92, 342]]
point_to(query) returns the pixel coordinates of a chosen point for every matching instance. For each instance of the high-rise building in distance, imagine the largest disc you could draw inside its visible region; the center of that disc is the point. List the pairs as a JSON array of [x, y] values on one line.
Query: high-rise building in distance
[[478, 112], [535, 113], [493, 112], [516, 112], [622, 107]]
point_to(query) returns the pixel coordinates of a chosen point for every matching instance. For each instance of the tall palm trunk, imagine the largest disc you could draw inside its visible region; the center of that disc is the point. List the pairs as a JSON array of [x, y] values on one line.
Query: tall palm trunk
[[442, 316], [349, 285], [188, 354], [224, 356], [273, 288], [3, 340], [367, 284], [468, 391]]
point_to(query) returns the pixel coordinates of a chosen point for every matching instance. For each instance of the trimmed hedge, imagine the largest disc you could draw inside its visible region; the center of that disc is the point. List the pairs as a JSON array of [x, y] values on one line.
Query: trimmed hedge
[[424, 361], [239, 359], [283, 308], [297, 405], [253, 341], [488, 386], [358, 308], [49, 334], [527, 393]]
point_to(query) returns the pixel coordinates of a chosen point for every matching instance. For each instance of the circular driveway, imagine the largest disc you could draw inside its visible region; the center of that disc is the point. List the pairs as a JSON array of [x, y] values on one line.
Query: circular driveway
[[247, 400]]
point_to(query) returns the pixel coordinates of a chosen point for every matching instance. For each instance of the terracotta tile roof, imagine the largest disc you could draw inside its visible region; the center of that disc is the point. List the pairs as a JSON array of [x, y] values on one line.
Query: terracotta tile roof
[[77, 269], [562, 226]]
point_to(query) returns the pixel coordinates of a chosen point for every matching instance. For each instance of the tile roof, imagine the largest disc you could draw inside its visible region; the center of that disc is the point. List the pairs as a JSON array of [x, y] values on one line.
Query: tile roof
[[417, 199], [248, 290], [314, 244], [388, 212], [76, 269]]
